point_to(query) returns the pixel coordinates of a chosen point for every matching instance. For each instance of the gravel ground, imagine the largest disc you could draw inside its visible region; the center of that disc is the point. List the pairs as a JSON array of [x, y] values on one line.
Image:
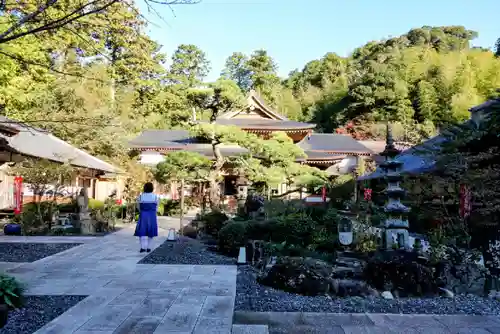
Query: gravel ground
[[30, 252], [186, 251], [251, 296], [38, 311]]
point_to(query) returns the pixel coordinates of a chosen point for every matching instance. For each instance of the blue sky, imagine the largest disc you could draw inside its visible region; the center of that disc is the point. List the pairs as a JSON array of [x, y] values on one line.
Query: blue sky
[[297, 31]]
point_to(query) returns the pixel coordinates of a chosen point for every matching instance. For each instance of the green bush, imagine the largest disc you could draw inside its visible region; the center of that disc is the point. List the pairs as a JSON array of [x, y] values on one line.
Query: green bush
[[301, 228], [95, 204], [160, 210], [214, 221], [11, 292], [232, 236], [31, 216], [70, 207], [172, 207]]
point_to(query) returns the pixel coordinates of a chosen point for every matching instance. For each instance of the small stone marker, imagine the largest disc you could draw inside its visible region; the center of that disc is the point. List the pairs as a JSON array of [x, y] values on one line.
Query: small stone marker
[[171, 234], [242, 256]]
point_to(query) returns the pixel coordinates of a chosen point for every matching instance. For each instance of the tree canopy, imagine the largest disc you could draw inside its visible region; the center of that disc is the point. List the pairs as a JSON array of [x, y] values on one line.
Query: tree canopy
[[98, 80]]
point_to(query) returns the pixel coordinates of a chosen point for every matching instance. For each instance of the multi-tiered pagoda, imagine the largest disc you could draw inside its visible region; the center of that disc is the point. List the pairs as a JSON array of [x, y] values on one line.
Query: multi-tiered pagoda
[[332, 152], [396, 225]]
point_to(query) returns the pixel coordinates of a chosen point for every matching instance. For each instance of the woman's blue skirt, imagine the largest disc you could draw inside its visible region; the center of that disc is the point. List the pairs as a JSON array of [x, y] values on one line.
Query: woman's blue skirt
[[147, 225]]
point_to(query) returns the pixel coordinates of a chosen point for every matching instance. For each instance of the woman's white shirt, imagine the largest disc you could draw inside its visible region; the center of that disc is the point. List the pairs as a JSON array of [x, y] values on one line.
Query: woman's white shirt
[[148, 198]]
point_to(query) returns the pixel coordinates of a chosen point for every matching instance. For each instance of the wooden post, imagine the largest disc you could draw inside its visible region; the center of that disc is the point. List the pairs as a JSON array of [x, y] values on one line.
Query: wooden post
[[355, 189], [181, 229]]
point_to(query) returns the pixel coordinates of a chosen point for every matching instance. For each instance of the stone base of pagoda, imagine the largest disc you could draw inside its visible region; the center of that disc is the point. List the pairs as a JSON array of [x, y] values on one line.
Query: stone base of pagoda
[[399, 237]]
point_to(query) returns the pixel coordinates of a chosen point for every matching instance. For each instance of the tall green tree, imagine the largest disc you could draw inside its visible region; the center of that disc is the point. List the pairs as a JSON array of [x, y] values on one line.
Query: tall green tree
[[29, 18], [219, 97], [189, 66], [264, 75], [236, 69]]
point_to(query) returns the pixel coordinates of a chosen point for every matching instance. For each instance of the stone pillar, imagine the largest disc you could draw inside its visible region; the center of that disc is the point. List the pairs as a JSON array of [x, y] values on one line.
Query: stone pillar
[[86, 225]]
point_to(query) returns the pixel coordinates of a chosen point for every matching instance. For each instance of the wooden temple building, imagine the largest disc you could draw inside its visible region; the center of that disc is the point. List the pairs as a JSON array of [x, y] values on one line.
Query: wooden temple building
[[335, 153]]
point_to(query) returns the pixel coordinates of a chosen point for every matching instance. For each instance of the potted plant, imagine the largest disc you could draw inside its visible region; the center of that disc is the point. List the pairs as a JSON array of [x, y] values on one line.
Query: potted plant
[[11, 297]]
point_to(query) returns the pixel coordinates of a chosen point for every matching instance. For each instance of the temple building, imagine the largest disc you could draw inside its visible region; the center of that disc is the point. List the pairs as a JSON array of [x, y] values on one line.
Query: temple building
[[336, 153]]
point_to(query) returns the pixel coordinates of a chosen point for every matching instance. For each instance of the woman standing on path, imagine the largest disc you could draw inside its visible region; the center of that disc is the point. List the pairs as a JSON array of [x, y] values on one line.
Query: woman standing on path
[[147, 224]]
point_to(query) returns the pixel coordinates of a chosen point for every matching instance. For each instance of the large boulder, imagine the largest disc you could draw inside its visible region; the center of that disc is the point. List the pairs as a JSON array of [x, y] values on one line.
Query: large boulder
[[403, 272], [311, 277], [460, 273]]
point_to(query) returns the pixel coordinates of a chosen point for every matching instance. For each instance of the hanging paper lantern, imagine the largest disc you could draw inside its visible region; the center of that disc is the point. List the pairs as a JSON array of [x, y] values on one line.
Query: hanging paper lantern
[[368, 194]]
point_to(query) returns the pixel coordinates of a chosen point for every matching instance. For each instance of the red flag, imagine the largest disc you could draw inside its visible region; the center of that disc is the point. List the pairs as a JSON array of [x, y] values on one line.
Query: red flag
[[18, 194], [465, 201], [368, 194]]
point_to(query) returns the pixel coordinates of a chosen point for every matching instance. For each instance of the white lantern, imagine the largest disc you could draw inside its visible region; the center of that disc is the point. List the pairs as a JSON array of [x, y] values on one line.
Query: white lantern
[[345, 231]]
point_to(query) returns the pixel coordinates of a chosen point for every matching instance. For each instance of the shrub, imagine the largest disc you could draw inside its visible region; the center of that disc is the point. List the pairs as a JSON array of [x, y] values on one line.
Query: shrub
[[214, 221], [365, 242], [173, 207], [190, 231], [69, 207], [11, 292], [232, 236], [295, 229], [95, 204], [160, 210]]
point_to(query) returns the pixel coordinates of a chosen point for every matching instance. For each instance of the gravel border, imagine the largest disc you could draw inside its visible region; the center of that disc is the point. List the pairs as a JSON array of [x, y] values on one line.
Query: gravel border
[[186, 251], [251, 296], [38, 311], [31, 252]]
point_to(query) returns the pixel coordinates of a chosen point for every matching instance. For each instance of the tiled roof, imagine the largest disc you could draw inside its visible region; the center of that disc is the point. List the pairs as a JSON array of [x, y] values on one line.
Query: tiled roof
[[334, 143], [265, 124], [162, 138], [422, 158], [319, 155], [485, 105], [254, 101], [226, 150], [37, 143]]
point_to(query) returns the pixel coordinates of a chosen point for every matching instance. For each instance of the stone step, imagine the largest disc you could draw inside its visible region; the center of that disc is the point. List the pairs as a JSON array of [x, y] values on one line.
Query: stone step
[[250, 329]]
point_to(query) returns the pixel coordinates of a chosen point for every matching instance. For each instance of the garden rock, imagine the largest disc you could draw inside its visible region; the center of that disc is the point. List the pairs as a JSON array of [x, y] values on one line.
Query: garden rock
[[305, 276], [348, 287], [348, 268], [494, 295], [402, 271], [312, 277], [461, 274], [447, 293], [387, 295]]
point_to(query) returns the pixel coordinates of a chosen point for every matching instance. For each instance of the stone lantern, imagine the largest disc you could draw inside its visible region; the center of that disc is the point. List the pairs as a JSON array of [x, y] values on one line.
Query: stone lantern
[[396, 224], [241, 192], [345, 231]]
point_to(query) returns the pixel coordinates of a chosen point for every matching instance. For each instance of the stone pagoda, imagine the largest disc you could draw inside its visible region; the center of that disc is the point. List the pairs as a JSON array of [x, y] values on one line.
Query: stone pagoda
[[395, 227]]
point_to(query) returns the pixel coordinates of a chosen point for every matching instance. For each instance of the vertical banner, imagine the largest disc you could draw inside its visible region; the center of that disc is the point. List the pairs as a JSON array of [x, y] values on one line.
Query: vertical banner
[[323, 194], [465, 201], [18, 194]]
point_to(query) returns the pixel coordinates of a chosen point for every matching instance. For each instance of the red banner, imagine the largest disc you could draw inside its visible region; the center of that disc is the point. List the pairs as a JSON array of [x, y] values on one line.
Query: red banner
[[18, 194], [465, 201], [323, 194], [368, 194]]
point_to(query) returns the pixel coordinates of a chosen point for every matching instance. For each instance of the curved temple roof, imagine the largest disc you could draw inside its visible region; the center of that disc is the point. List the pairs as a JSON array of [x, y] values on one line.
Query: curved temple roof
[[33, 142], [264, 117]]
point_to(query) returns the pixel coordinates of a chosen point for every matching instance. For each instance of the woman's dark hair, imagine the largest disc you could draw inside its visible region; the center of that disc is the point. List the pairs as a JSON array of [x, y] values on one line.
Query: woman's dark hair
[[148, 187]]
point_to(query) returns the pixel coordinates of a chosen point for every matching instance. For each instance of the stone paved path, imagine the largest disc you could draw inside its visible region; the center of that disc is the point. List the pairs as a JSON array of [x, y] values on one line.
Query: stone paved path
[[126, 297]]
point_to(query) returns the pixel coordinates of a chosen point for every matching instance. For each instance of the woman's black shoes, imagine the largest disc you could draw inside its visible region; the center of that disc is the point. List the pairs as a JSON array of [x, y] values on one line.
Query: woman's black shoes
[[142, 250], [148, 250]]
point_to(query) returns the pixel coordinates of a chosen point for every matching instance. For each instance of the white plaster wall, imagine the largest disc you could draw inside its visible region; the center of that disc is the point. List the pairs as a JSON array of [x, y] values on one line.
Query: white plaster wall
[[151, 158]]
